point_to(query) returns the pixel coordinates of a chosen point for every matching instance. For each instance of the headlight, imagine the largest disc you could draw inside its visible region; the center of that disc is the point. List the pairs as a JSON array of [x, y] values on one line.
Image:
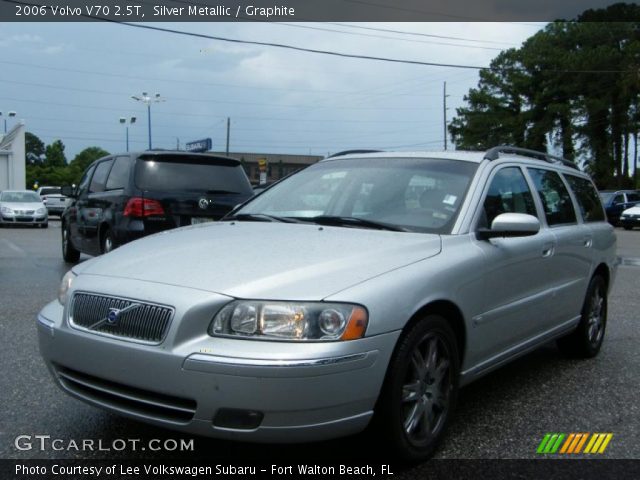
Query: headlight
[[290, 321], [65, 285], [7, 210], [41, 211]]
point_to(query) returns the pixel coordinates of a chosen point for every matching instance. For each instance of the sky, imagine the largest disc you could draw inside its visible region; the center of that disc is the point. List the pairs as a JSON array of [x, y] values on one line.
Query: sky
[[73, 81]]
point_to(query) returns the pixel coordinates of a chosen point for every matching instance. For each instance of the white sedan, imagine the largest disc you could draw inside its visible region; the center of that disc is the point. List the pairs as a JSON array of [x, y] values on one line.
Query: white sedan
[[22, 207], [630, 217]]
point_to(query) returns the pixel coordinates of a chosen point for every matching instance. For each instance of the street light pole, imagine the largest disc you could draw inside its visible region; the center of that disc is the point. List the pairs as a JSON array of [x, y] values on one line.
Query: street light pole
[[148, 100], [123, 120], [10, 113]]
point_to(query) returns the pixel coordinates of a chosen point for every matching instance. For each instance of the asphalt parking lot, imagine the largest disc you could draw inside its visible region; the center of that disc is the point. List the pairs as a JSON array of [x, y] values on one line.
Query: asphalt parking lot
[[504, 415]]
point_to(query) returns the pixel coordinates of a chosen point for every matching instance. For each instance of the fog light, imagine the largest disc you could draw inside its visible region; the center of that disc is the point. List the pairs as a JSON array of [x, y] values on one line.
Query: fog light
[[238, 419]]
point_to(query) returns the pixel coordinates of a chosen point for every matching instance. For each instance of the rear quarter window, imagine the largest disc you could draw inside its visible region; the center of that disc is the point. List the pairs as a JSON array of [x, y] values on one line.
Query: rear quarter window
[[587, 197], [555, 198]]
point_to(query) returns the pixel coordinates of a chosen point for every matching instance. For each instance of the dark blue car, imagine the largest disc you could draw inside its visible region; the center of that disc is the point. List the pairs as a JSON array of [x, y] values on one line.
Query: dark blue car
[[615, 202]]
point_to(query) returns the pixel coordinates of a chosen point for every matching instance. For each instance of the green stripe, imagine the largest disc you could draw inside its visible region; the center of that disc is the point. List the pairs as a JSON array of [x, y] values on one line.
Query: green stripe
[[550, 443], [558, 442], [543, 443]]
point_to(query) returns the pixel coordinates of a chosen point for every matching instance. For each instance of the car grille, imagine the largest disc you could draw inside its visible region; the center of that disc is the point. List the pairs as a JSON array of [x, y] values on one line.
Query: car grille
[[24, 212], [119, 317], [125, 398]]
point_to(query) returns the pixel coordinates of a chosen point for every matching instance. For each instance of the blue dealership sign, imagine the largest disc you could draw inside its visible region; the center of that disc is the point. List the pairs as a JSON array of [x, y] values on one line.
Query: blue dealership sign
[[203, 145]]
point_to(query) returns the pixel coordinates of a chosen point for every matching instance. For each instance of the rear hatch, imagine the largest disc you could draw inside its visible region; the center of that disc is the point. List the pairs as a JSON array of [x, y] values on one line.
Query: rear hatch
[[189, 188]]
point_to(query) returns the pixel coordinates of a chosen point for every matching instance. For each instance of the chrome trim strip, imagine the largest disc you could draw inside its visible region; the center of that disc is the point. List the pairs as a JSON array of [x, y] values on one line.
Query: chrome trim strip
[[45, 322], [257, 362]]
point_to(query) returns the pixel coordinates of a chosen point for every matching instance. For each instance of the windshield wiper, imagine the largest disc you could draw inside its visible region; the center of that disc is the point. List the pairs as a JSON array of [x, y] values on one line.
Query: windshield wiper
[[337, 221], [259, 217]]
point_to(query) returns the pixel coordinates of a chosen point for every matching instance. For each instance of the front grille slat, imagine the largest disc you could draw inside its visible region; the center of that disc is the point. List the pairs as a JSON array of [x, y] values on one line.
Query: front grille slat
[[146, 322]]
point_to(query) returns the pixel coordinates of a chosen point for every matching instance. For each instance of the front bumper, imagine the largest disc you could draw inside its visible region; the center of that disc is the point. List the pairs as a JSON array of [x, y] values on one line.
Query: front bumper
[[305, 392], [630, 221], [23, 219]]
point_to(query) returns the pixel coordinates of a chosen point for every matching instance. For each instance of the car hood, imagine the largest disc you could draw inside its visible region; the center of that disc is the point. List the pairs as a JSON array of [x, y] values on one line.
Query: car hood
[[23, 205], [632, 211], [264, 260]]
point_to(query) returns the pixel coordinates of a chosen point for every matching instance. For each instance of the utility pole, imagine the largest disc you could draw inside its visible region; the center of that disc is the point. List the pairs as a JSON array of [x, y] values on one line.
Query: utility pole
[[444, 111], [228, 128], [178, 143]]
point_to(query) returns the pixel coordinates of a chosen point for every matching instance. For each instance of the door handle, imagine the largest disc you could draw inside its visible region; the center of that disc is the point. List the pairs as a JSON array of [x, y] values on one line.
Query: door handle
[[587, 242], [548, 250]]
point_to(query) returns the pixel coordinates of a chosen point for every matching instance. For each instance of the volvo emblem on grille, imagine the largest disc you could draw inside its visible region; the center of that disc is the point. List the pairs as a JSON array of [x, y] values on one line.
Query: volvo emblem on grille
[[113, 316], [203, 203]]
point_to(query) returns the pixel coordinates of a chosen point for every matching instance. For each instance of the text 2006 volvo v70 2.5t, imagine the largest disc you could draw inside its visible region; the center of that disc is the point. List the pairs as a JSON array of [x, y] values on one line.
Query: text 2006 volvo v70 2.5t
[[362, 290]]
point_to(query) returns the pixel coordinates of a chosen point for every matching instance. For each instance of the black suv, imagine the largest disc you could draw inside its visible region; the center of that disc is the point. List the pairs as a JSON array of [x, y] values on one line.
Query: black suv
[[124, 197]]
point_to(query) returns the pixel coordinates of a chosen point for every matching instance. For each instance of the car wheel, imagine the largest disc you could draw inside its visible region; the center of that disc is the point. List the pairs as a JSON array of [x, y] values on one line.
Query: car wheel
[[627, 227], [107, 241], [44, 225], [420, 389], [586, 340], [69, 253]]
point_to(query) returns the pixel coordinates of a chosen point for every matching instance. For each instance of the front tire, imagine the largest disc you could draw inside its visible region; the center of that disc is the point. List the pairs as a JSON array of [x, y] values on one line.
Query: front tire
[[586, 340], [420, 389], [69, 253]]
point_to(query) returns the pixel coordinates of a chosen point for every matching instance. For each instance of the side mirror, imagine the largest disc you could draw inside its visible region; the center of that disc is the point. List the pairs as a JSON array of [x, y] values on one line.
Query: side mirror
[[511, 225], [68, 191]]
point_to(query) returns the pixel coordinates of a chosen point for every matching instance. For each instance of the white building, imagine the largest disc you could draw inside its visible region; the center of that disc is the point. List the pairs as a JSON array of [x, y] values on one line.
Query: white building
[[12, 159]]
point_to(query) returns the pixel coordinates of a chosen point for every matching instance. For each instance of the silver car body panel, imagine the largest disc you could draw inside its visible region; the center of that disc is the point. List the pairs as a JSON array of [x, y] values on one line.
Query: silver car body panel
[[512, 294]]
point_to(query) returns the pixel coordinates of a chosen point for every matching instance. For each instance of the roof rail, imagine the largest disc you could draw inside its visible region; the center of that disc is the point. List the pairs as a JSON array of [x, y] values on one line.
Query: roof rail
[[350, 152], [494, 154]]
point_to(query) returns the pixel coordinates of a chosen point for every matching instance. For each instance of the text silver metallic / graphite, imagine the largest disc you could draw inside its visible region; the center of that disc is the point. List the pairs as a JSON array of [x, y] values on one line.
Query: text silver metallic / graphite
[[223, 11]]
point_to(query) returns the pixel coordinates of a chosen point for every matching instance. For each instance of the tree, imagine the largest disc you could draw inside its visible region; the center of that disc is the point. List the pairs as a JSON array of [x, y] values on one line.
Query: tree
[[34, 148], [54, 155], [573, 86], [82, 160]]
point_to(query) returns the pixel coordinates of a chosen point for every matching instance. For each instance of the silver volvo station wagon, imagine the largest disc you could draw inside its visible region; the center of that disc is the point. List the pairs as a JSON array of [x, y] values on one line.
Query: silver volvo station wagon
[[362, 291]]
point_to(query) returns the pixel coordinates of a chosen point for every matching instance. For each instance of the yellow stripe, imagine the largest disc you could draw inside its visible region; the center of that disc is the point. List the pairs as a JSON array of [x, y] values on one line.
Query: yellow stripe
[[605, 443], [592, 442], [584, 439], [596, 446], [567, 443]]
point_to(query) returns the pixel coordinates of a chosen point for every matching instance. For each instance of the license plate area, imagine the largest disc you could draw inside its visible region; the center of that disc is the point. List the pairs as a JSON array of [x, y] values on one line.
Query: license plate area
[[198, 220]]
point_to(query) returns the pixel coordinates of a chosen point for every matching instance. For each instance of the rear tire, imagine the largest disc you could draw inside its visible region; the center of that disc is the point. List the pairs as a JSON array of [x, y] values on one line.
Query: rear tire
[[420, 389], [107, 245], [69, 253], [586, 340]]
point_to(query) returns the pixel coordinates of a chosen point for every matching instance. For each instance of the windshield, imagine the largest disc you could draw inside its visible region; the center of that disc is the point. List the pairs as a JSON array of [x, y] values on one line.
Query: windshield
[[50, 191], [605, 196], [189, 173], [421, 195], [20, 197]]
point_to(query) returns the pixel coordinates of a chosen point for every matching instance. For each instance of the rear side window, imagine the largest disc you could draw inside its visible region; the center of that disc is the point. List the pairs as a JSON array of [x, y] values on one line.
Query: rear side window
[[185, 173], [50, 191], [508, 193], [554, 196], [588, 199], [633, 197], [119, 173], [99, 179]]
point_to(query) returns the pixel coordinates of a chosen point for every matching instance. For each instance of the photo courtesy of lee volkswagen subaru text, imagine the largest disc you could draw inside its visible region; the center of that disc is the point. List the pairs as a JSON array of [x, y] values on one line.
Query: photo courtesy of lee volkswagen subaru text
[[362, 291]]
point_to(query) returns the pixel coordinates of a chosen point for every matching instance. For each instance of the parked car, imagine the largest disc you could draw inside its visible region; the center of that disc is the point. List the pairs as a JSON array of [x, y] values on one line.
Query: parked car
[[615, 202], [22, 207], [52, 199], [630, 218], [128, 196], [363, 290]]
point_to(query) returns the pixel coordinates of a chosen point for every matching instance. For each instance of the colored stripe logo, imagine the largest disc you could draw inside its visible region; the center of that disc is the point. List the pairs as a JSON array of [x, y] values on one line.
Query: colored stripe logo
[[574, 443]]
